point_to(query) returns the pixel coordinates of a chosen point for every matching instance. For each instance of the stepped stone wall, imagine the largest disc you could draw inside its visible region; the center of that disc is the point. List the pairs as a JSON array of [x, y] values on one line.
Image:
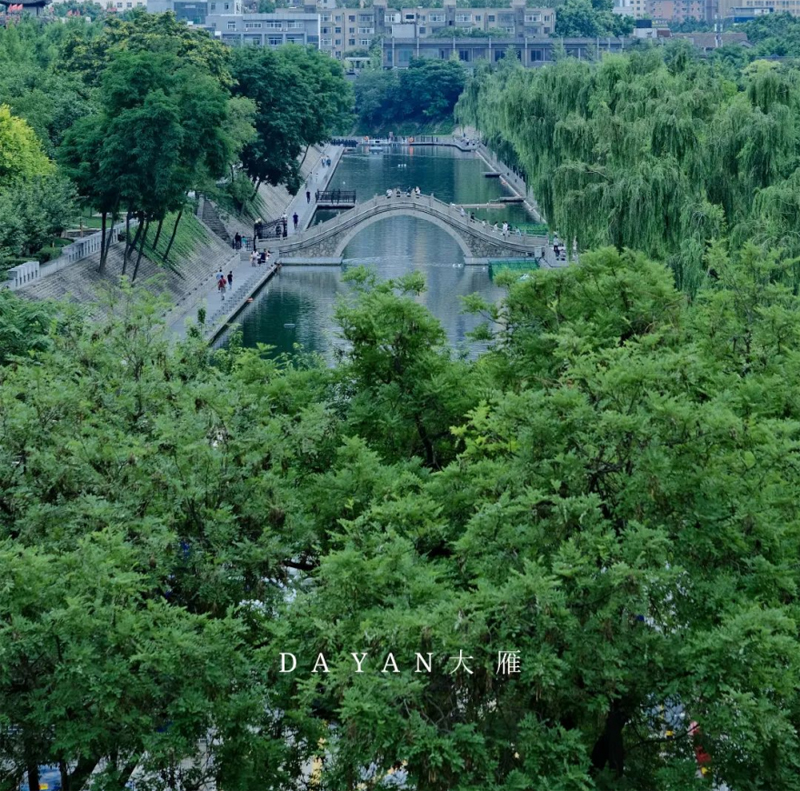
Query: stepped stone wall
[[81, 283]]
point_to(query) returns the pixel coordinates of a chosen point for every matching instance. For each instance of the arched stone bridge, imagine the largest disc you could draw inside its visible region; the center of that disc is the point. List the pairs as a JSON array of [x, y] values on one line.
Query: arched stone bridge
[[327, 241]]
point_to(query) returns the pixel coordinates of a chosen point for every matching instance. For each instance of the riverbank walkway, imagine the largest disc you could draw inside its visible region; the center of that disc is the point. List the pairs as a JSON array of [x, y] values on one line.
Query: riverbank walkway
[[221, 309]]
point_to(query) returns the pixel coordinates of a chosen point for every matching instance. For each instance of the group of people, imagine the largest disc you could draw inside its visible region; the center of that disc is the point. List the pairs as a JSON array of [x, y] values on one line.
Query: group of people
[[505, 229], [224, 282], [256, 258], [239, 241], [409, 192]]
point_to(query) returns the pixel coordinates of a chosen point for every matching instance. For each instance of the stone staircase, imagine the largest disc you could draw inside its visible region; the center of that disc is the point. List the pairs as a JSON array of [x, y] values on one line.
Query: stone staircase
[[210, 216]]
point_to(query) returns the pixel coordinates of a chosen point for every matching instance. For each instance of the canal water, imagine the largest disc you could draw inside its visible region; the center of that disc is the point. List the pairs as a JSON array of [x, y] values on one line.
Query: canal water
[[305, 297]]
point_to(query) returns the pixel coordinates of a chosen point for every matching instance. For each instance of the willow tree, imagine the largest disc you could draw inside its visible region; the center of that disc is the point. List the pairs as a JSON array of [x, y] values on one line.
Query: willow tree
[[656, 151]]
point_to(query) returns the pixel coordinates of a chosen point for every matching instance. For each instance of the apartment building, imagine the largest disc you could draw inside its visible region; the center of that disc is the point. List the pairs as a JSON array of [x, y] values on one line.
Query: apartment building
[[344, 31], [747, 9], [265, 30], [516, 21]]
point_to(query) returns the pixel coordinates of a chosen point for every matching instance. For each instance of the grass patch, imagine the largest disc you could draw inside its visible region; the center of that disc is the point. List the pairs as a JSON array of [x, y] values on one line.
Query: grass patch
[[190, 236]]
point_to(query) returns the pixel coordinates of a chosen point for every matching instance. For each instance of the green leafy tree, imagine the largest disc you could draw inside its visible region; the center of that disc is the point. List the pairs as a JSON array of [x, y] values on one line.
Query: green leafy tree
[[301, 98]]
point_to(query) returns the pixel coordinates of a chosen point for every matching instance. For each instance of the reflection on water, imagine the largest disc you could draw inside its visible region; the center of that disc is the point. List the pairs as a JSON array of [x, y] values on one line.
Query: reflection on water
[[305, 296]]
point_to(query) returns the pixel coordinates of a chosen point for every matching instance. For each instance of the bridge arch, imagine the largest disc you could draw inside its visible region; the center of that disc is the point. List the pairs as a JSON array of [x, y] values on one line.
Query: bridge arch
[[404, 211]]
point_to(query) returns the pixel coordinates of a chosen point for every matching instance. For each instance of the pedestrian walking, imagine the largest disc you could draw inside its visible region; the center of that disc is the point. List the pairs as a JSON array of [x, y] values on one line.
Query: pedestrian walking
[[308, 196], [253, 258], [238, 240], [221, 287], [230, 278], [295, 220], [219, 274]]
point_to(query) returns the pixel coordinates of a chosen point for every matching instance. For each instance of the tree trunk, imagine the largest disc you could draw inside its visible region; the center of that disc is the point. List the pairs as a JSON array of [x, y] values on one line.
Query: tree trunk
[[127, 234], [141, 249], [609, 749], [132, 244], [158, 233], [102, 244], [33, 775], [174, 231], [65, 779]]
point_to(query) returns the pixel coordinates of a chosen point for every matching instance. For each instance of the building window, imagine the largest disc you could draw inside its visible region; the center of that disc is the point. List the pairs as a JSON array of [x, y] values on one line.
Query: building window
[[478, 17], [294, 25], [252, 25], [325, 30], [364, 18], [338, 42], [326, 17], [351, 42], [294, 39], [490, 17], [365, 42], [410, 17], [536, 54], [366, 30], [326, 42], [275, 41], [437, 17], [231, 25], [351, 18], [351, 31], [275, 25], [337, 30], [463, 17], [463, 54], [213, 6], [422, 31]]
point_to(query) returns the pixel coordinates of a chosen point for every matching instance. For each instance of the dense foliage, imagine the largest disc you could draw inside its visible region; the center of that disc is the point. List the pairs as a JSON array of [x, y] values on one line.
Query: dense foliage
[[659, 151], [590, 18], [301, 98], [611, 491], [425, 92], [139, 111]]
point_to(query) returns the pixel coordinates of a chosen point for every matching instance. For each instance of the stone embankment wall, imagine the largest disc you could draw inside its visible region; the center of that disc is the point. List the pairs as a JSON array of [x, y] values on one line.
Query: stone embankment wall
[[81, 283]]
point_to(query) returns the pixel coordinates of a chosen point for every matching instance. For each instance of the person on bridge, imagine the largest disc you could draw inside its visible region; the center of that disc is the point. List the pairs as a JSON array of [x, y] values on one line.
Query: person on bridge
[[462, 212], [308, 196], [296, 220], [253, 258], [388, 194], [416, 191], [230, 278]]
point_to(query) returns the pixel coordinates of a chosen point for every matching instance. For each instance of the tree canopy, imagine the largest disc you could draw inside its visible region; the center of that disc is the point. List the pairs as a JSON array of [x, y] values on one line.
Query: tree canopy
[[608, 491], [659, 151], [301, 99]]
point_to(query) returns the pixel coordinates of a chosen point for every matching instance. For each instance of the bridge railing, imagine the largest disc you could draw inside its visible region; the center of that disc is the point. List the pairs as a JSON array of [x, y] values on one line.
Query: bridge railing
[[336, 196], [427, 203]]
